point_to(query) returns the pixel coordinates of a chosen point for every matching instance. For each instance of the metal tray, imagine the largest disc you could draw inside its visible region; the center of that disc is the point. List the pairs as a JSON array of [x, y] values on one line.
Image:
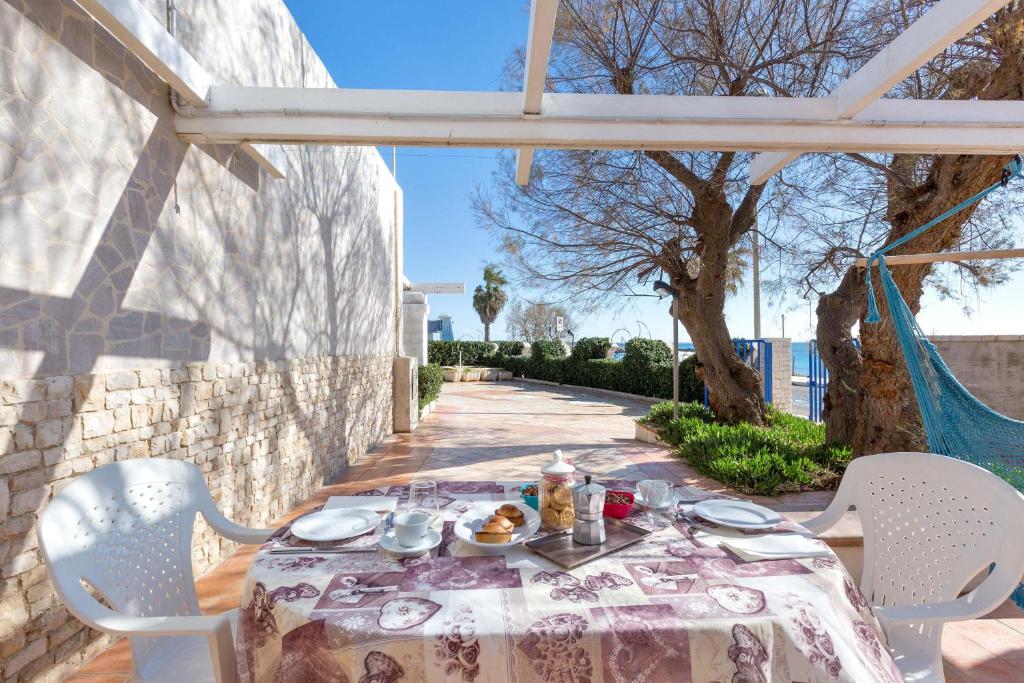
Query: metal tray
[[560, 549]]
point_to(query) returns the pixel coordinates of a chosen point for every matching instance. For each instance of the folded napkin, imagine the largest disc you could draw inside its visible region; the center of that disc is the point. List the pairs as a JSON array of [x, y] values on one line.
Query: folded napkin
[[375, 503], [775, 547]]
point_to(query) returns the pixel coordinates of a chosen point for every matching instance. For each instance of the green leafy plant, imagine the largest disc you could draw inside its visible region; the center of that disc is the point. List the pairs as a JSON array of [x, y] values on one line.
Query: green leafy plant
[[429, 380], [640, 351], [547, 350], [474, 353], [510, 348], [789, 454], [591, 348]]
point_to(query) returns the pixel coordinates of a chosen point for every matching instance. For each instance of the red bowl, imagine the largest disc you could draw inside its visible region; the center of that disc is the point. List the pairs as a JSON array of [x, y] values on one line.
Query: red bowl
[[619, 510]]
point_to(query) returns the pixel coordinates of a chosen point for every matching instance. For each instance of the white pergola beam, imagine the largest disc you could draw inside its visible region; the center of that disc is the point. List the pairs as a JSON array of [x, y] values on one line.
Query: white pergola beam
[[145, 37], [573, 121], [535, 74], [148, 39], [940, 27]]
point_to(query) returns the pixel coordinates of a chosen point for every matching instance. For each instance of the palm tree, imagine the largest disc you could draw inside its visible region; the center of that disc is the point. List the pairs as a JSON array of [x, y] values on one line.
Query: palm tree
[[489, 298]]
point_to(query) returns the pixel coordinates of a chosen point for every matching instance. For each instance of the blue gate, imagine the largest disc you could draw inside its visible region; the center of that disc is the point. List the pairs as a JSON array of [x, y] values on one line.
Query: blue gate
[[817, 381], [756, 353]]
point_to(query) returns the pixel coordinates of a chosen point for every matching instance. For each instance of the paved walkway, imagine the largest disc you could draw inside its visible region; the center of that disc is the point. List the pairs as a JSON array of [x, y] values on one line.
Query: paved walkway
[[486, 431]]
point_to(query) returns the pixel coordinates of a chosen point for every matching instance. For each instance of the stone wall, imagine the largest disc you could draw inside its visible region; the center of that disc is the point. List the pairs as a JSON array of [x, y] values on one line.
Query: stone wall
[[162, 299], [991, 367], [782, 373]]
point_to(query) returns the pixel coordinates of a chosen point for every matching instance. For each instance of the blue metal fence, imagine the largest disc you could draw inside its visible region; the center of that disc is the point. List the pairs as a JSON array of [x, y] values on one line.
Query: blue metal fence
[[817, 380], [756, 353]]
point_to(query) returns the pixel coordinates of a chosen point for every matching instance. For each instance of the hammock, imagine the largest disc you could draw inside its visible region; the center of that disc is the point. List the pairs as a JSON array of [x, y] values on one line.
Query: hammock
[[956, 423]]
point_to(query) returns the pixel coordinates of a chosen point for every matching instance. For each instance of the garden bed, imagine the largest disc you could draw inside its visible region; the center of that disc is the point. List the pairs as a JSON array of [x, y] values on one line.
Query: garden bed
[[788, 455]]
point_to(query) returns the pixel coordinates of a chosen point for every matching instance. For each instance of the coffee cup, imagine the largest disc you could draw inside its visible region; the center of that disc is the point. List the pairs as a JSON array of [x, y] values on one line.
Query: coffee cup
[[410, 528], [657, 493]]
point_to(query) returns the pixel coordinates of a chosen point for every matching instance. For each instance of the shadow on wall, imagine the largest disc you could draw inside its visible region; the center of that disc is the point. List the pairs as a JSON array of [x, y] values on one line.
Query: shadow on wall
[[195, 262], [192, 265]]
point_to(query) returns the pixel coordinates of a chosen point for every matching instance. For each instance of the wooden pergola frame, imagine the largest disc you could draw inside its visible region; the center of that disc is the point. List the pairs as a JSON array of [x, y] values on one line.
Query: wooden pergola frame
[[854, 118]]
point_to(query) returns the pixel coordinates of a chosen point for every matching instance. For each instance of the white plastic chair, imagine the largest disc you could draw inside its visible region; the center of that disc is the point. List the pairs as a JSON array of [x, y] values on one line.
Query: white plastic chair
[[126, 530], [931, 525]]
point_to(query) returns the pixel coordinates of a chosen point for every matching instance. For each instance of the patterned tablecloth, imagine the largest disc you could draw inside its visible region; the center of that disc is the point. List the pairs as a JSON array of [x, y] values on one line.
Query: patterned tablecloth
[[674, 607]]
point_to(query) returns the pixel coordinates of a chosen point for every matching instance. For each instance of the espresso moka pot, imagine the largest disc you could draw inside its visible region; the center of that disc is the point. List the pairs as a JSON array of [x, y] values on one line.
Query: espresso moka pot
[[588, 502]]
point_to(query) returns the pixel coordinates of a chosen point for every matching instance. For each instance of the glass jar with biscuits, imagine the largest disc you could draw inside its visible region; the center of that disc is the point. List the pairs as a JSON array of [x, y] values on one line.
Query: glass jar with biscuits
[[555, 503]]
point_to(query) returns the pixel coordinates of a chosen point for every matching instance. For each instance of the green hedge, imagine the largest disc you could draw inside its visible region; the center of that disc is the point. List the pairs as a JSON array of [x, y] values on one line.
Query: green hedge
[[474, 353], [510, 348], [635, 377], [641, 351], [789, 454], [429, 380], [591, 348], [547, 350]]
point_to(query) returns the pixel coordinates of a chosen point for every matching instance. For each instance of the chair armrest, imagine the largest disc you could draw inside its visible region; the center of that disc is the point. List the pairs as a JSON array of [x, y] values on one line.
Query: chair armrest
[[236, 532], [988, 595], [831, 515], [151, 627]]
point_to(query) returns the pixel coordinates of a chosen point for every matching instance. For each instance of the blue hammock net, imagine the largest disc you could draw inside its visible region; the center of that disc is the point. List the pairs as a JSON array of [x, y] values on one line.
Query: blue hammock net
[[955, 422]]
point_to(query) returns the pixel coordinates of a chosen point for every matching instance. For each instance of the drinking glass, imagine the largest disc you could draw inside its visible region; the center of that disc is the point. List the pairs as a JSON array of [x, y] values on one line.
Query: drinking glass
[[423, 498]]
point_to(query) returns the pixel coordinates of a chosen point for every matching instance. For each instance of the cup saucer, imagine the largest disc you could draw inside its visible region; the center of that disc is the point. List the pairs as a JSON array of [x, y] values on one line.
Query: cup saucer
[[430, 540]]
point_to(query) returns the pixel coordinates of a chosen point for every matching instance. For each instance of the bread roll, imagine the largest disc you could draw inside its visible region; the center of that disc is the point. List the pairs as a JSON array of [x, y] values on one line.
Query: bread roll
[[512, 513], [496, 529]]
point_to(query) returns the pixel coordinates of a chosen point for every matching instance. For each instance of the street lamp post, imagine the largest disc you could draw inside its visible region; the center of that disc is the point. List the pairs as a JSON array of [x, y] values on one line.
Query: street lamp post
[[663, 289]]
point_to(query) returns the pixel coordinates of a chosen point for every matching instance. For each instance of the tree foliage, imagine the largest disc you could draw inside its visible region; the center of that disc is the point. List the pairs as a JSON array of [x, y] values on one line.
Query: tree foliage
[[490, 297], [598, 223]]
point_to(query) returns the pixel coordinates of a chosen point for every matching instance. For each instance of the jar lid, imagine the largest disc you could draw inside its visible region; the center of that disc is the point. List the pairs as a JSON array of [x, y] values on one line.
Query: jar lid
[[558, 466]]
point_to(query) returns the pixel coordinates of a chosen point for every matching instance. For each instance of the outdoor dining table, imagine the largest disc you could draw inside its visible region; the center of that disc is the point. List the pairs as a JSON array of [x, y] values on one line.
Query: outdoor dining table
[[672, 607]]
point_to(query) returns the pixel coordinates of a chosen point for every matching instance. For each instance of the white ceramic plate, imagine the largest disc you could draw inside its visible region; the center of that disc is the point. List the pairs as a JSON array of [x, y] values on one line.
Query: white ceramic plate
[[431, 540], [473, 519], [335, 525], [738, 514]]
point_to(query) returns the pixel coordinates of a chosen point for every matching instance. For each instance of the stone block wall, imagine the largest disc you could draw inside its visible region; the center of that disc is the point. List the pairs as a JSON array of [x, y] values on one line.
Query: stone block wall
[[164, 299], [782, 373], [265, 435], [990, 366]]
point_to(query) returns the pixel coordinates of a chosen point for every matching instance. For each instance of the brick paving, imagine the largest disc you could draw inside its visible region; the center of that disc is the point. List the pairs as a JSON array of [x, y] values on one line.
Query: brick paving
[[485, 431]]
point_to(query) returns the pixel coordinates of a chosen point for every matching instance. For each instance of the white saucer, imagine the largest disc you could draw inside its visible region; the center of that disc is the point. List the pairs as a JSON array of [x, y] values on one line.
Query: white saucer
[[431, 540]]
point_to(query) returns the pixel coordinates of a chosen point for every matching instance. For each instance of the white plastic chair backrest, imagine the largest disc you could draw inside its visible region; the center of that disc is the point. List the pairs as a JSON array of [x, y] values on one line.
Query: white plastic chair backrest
[[931, 524], [126, 530]]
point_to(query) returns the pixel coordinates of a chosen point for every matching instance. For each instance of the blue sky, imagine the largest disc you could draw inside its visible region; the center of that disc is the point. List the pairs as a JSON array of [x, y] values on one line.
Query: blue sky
[[463, 45]]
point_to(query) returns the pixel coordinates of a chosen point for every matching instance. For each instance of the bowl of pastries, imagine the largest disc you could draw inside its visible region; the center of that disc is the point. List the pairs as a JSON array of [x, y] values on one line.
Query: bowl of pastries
[[493, 527], [529, 493]]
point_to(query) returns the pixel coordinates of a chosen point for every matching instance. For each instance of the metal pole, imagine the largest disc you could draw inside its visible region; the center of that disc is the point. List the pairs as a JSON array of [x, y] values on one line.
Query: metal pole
[[675, 357], [756, 258], [783, 325]]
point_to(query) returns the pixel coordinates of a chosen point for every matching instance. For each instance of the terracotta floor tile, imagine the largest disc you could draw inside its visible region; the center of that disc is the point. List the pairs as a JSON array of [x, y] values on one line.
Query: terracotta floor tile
[[98, 678], [993, 635]]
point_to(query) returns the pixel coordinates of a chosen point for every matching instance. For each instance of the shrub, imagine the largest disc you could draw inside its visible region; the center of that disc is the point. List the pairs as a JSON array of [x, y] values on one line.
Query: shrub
[[510, 348], [546, 350], [641, 351], [591, 348], [474, 353], [429, 380], [646, 379], [789, 454]]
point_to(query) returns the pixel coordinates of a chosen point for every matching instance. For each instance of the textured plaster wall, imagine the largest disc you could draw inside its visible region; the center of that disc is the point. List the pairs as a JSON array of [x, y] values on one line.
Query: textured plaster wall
[[991, 367], [161, 299]]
